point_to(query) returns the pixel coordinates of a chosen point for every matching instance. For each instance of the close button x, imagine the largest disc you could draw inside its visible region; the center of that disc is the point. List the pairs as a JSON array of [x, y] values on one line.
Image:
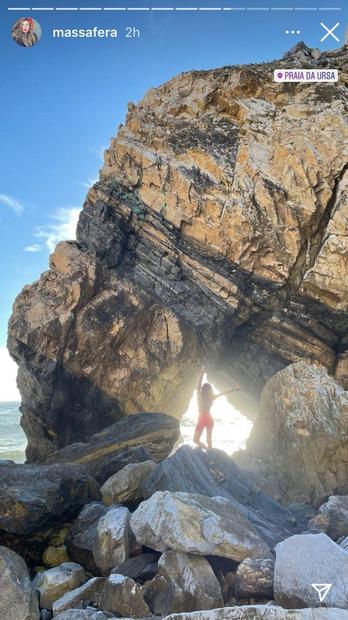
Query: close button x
[[329, 31]]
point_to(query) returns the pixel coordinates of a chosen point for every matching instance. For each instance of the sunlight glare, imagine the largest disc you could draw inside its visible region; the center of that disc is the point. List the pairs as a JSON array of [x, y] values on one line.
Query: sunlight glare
[[231, 428]]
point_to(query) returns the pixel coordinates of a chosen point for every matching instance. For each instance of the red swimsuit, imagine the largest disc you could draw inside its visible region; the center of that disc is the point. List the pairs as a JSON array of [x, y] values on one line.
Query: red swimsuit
[[205, 420]]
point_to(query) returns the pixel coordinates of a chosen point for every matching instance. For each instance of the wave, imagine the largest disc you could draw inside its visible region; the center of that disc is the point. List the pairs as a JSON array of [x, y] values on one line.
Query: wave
[[12, 438]]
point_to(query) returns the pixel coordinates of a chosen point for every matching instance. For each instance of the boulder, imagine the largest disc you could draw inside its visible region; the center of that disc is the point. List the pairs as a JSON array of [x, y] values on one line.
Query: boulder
[[112, 542], [55, 582], [153, 434], [126, 485], [299, 441], [307, 559], [34, 497], [141, 568], [83, 534], [254, 579], [196, 524], [332, 517], [87, 594], [123, 597], [112, 463], [185, 583], [262, 612], [55, 556], [83, 614], [214, 473], [157, 595], [18, 600]]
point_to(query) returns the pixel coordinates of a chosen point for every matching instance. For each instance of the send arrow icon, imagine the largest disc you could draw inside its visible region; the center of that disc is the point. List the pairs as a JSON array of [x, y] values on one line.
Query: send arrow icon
[[323, 589]]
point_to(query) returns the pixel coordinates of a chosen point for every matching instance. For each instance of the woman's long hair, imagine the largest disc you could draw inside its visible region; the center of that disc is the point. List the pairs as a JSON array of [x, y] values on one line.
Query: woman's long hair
[[205, 397], [26, 39]]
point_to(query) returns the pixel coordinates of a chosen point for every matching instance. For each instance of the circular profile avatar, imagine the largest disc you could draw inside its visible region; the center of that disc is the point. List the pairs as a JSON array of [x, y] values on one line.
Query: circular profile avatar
[[26, 31]]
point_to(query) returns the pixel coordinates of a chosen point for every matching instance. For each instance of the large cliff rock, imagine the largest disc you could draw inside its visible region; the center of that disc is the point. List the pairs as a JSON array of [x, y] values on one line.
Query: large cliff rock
[[299, 444], [218, 228]]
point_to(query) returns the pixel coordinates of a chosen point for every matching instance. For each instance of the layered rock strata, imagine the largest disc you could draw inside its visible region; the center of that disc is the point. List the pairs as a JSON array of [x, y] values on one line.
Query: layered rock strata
[[217, 228]]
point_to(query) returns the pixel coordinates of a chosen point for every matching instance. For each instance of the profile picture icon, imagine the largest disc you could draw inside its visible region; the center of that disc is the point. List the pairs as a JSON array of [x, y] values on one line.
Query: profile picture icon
[[26, 32]]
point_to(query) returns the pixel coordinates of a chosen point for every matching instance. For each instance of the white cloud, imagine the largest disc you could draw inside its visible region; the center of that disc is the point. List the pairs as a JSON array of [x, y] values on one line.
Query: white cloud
[[36, 247], [12, 203], [8, 374], [63, 228]]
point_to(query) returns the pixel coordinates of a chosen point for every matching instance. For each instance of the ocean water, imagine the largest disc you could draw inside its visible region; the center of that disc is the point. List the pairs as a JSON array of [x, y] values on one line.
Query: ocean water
[[12, 438], [231, 429]]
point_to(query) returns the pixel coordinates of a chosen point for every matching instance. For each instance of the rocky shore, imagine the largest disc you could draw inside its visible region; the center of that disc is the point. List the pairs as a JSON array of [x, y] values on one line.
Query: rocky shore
[[217, 230], [120, 527]]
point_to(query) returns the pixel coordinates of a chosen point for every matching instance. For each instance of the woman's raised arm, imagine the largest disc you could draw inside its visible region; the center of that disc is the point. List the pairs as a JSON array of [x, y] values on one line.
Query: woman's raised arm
[[200, 380], [235, 389]]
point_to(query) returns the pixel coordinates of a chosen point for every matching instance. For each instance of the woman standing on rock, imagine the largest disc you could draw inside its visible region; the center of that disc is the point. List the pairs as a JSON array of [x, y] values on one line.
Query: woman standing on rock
[[205, 398]]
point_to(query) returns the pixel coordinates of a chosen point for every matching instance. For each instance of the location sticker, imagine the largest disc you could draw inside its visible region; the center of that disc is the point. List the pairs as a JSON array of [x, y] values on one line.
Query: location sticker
[[305, 75]]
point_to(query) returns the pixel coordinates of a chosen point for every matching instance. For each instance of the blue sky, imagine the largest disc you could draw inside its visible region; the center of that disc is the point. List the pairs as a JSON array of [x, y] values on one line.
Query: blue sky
[[62, 100]]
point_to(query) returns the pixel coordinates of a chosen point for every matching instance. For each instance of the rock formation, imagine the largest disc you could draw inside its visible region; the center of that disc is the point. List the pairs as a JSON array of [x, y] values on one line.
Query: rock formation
[[127, 484], [217, 228], [133, 439], [33, 497], [298, 446], [255, 578], [196, 524], [185, 583], [123, 597], [332, 517], [112, 542], [18, 600], [55, 582], [175, 552], [305, 560]]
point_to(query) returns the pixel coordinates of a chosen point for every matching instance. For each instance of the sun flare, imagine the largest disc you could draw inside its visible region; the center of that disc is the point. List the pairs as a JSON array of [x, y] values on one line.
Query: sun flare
[[231, 427]]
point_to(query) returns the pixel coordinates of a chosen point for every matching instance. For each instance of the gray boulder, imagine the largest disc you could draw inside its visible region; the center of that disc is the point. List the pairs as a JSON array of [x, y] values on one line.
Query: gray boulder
[[33, 497], [262, 612], [307, 559], [112, 542], [122, 596], [214, 473], [141, 568], [83, 534], [157, 595], [299, 441], [87, 594], [332, 517], [196, 524], [254, 578], [18, 600], [55, 582], [142, 436], [84, 614], [127, 484], [185, 583]]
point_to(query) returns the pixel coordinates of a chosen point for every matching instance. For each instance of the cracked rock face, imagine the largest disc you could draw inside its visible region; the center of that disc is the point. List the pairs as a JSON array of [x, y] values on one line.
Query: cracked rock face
[[218, 228], [298, 446]]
